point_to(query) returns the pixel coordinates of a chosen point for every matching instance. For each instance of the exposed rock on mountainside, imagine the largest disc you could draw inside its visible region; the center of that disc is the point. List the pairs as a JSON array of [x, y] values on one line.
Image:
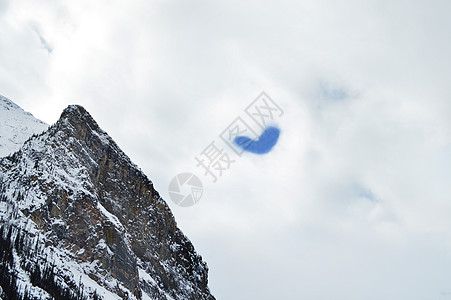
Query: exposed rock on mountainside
[[98, 218]]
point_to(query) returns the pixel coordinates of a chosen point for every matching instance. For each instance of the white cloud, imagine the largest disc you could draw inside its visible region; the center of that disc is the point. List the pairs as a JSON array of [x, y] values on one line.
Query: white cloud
[[352, 203]]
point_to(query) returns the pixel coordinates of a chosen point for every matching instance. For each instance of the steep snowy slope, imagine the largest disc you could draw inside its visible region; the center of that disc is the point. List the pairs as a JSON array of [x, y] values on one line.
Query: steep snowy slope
[[88, 216], [16, 126]]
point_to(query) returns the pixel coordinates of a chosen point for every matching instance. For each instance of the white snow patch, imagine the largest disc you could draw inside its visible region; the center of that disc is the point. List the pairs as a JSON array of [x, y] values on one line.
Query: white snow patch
[[110, 216], [16, 126], [143, 275]]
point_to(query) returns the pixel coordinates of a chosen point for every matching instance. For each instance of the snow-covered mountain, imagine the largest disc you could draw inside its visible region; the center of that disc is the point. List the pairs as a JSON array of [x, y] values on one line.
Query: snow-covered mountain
[[16, 126], [79, 220]]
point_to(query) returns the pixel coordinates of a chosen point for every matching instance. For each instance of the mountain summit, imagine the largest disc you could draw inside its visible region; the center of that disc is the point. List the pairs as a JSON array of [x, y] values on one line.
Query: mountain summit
[[16, 126], [88, 216]]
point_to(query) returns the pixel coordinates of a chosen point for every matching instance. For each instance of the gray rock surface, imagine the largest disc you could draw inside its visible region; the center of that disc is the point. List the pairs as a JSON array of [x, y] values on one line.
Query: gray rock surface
[[86, 197]]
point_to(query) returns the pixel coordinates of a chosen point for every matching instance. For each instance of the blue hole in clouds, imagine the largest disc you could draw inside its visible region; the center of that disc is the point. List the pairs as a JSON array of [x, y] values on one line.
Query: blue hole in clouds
[[263, 145], [363, 192], [333, 94]]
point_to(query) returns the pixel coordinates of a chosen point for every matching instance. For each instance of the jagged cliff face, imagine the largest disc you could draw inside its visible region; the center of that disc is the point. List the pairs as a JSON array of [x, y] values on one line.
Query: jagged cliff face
[[89, 202]]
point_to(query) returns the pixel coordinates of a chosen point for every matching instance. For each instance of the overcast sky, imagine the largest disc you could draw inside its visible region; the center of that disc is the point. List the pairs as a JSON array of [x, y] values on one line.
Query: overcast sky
[[353, 202]]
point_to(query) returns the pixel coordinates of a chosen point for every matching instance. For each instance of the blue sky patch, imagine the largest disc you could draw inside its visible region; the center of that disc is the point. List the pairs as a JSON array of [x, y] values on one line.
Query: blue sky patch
[[263, 144]]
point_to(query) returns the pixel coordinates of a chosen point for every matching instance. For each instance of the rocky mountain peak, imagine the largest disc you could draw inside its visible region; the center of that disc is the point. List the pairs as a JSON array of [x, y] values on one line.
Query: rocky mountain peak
[[86, 197], [76, 121], [77, 114]]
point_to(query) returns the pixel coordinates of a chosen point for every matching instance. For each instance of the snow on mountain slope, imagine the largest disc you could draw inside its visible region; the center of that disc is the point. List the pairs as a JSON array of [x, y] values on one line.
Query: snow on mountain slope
[[16, 126], [100, 227]]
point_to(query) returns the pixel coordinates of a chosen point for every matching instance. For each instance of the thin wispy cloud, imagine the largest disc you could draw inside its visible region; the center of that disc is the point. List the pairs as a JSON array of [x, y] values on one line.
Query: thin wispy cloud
[[43, 41]]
